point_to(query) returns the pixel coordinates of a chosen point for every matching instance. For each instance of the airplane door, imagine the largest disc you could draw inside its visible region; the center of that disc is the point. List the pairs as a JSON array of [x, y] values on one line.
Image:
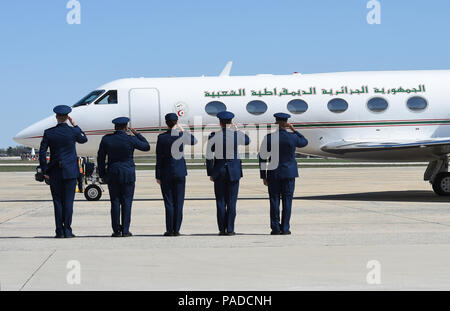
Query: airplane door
[[145, 109]]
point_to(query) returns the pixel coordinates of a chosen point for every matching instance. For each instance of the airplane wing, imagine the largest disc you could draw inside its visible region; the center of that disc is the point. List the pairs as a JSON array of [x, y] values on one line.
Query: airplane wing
[[342, 147]]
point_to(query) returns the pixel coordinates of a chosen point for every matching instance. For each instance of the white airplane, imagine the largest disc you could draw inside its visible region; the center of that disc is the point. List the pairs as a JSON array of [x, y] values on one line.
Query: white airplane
[[369, 116]]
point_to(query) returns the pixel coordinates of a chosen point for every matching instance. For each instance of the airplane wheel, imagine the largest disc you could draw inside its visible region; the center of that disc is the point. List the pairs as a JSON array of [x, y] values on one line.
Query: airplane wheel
[[441, 185], [92, 193]]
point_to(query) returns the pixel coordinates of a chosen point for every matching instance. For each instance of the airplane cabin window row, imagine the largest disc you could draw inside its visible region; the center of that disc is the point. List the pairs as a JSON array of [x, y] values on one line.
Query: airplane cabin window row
[[256, 107], [336, 105]]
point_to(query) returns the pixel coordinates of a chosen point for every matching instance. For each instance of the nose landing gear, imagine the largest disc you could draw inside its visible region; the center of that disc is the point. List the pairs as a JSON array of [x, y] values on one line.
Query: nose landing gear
[[93, 192]]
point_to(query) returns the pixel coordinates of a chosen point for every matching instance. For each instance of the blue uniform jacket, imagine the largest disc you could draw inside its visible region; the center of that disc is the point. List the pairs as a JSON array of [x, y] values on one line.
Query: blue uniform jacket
[[287, 165], [119, 147], [167, 163], [61, 140], [222, 154]]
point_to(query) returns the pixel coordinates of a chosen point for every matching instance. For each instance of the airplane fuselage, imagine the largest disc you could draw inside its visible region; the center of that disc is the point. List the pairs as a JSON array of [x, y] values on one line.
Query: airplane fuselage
[[404, 106]]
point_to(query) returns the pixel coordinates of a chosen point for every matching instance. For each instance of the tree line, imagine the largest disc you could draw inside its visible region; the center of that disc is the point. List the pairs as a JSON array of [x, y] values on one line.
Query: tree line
[[14, 151]]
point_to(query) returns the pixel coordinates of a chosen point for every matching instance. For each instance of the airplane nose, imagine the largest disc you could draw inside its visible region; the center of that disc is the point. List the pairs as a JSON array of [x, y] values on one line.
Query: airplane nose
[[24, 136], [19, 138], [31, 136]]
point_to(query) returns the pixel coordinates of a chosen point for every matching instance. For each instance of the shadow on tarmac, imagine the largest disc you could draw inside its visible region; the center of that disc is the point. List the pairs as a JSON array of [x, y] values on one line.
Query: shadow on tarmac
[[384, 196]]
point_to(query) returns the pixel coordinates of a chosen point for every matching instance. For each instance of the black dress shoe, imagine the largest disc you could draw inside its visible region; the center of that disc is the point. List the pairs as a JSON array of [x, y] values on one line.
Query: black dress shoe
[[59, 236], [70, 236], [126, 235], [286, 232], [231, 233], [222, 233], [275, 232], [177, 234], [169, 234], [116, 235]]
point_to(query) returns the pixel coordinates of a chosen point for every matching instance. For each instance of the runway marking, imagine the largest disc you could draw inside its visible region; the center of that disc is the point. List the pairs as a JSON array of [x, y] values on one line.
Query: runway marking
[[36, 271], [24, 213], [135, 200]]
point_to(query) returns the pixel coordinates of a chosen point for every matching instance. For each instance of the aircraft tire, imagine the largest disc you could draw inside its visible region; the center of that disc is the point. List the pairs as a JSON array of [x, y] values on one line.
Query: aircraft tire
[[93, 193], [441, 184]]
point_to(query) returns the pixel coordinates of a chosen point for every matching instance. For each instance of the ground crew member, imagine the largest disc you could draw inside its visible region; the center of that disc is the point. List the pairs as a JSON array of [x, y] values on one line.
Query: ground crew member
[[82, 168], [119, 173], [280, 176], [62, 170], [171, 171], [225, 169]]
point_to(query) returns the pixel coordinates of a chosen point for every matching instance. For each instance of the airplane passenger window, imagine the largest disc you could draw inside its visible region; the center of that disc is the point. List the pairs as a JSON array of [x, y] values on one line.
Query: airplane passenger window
[[377, 104], [337, 105], [417, 103], [213, 108], [110, 98], [297, 106], [89, 98], [256, 107]]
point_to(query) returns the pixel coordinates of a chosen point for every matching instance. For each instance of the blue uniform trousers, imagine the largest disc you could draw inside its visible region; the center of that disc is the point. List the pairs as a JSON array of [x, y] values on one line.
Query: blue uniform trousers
[[173, 190], [281, 189], [121, 196], [226, 192], [63, 193]]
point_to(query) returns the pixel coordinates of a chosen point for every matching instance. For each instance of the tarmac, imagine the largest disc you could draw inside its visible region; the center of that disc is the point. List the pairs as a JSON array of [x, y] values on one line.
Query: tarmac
[[377, 228]]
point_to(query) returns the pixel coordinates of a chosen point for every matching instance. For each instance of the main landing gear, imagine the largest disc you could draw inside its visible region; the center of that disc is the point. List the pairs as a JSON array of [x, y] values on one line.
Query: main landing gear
[[438, 176]]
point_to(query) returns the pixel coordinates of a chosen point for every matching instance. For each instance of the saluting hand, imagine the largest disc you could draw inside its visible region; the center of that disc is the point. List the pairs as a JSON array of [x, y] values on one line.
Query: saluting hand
[[133, 131], [180, 127], [71, 121], [291, 127]]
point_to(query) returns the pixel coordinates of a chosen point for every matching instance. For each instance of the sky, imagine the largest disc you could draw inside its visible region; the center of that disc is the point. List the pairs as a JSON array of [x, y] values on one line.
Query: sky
[[44, 61]]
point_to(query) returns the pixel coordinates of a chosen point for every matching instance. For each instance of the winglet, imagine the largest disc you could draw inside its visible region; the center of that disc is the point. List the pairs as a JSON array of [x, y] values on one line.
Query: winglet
[[226, 71]]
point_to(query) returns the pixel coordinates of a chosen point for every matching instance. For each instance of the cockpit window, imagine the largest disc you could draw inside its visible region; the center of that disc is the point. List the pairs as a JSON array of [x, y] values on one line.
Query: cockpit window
[[110, 98], [89, 98]]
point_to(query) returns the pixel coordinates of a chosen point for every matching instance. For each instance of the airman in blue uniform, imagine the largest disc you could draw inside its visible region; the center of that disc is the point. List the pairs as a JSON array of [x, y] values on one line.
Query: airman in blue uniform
[[62, 170], [171, 171], [119, 173], [278, 169], [82, 168], [224, 167]]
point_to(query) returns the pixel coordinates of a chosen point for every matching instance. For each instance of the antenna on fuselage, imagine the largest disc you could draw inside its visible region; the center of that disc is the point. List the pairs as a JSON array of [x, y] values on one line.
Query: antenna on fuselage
[[226, 71]]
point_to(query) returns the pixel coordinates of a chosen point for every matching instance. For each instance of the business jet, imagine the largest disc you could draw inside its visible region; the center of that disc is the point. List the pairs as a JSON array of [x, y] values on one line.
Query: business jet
[[370, 116]]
